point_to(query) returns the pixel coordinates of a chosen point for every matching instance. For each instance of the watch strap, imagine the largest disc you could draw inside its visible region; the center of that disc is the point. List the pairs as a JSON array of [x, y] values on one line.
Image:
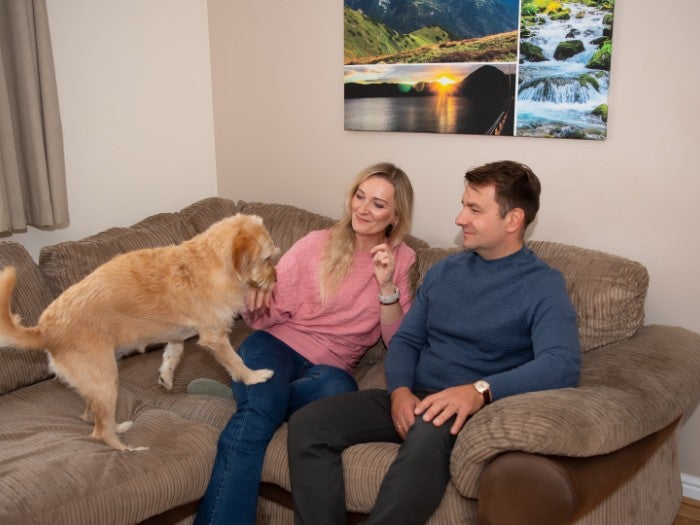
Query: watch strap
[[389, 299]]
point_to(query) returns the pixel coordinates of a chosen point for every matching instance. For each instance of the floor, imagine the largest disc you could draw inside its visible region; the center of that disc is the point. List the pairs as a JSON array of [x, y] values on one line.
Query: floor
[[689, 513]]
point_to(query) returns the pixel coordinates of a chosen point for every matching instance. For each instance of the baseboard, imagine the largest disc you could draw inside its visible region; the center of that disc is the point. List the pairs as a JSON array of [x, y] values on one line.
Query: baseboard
[[691, 486]]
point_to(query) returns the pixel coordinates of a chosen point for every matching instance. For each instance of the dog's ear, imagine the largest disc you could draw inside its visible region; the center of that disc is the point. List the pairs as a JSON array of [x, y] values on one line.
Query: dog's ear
[[245, 250]]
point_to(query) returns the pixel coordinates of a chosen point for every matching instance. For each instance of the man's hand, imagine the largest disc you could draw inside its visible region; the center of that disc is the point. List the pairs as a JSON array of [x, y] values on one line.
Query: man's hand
[[460, 401], [403, 405]]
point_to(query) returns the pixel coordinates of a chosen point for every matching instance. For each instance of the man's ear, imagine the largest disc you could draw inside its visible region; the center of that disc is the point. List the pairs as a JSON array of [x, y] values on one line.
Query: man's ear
[[244, 251], [516, 220]]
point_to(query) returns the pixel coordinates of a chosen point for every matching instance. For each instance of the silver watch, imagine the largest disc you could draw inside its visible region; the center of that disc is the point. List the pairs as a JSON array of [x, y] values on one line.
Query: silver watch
[[390, 299], [484, 389]]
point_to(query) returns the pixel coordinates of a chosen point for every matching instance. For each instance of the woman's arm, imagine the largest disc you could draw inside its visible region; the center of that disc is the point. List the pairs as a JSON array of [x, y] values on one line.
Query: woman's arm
[[391, 269]]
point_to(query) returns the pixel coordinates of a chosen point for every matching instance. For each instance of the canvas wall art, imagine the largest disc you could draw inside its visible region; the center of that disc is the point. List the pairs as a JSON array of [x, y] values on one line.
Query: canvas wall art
[[535, 68]]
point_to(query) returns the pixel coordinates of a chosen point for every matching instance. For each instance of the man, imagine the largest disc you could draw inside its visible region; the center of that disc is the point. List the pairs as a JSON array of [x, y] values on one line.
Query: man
[[489, 322]]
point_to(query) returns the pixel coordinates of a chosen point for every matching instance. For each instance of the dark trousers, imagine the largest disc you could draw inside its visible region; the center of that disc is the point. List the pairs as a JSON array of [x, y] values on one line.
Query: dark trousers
[[318, 433]]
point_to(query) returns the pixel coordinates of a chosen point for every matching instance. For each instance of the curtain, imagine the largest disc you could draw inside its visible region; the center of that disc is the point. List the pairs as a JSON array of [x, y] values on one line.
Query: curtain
[[32, 168]]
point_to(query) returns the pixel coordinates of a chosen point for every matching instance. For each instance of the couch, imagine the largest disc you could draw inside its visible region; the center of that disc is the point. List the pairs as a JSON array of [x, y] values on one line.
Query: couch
[[604, 452]]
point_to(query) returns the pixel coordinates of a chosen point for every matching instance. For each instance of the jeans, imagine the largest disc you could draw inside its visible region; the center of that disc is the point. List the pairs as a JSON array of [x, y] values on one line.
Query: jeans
[[232, 494], [318, 434]]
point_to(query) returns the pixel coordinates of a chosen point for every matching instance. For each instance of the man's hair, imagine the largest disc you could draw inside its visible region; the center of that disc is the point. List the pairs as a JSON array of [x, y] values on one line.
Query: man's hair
[[516, 186]]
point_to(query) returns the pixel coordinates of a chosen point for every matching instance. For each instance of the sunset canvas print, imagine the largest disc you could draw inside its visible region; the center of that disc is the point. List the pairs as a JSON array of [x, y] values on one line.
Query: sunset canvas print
[[465, 66]]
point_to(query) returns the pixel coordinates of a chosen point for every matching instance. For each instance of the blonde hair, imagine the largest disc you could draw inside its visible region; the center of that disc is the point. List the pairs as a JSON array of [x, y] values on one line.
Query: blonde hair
[[339, 250]]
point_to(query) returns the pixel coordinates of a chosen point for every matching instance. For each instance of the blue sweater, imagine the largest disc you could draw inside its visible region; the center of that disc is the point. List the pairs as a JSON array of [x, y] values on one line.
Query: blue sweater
[[508, 321]]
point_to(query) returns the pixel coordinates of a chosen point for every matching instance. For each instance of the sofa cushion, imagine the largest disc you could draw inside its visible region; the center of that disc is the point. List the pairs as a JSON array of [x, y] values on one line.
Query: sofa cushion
[[203, 213], [607, 291], [51, 471], [286, 224], [425, 258], [68, 262], [29, 299]]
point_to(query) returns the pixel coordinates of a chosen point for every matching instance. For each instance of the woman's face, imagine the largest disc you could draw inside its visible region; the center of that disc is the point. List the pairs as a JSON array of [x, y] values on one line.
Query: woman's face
[[373, 208]]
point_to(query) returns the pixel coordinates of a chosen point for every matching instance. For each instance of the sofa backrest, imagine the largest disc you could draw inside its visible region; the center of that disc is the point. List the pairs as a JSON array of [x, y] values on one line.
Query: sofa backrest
[[286, 224], [68, 262], [607, 291]]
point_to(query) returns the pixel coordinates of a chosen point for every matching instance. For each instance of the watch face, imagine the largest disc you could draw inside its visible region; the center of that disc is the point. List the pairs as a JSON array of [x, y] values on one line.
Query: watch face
[[481, 386]]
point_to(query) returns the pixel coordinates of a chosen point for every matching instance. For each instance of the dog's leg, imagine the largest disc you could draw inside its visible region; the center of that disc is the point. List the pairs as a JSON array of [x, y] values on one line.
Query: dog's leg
[[95, 377], [85, 416], [171, 358], [104, 403], [220, 346]]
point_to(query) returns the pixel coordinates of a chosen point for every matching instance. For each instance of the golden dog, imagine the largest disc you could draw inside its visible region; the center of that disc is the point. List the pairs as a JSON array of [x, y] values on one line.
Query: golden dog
[[143, 297]]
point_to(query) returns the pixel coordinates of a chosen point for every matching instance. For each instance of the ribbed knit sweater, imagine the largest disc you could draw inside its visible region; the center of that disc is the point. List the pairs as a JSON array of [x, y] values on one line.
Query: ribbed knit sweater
[[337, 331], [508, 321]]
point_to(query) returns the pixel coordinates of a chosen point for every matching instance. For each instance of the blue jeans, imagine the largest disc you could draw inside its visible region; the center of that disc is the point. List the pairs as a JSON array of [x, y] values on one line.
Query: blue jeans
[[232, 494]]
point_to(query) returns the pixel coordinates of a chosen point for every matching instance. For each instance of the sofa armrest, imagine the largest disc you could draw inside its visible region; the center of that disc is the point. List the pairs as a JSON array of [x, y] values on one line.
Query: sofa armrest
[[556, 489], [628, 390]]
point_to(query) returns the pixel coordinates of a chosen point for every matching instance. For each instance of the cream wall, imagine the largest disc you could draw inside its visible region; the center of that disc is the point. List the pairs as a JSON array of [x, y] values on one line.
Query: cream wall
[[134, 89], [278, 88]]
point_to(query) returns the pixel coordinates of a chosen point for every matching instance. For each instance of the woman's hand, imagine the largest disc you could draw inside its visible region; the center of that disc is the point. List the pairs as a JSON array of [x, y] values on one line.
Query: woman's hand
[[384, 266], [257, 298]]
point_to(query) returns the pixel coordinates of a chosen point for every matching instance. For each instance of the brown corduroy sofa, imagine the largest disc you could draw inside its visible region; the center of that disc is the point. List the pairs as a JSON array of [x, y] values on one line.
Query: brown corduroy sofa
[[605, 452]]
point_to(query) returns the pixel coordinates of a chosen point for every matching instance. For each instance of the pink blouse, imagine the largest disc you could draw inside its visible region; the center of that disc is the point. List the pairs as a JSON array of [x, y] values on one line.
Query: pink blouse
[[337, 331]]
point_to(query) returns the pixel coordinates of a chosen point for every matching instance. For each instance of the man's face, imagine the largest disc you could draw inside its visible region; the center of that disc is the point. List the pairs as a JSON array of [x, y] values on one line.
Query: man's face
[[484, 230]]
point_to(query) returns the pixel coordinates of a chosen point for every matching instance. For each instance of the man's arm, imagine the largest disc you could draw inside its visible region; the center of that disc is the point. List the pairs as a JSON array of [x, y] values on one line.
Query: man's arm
[[407, 343], [556, 362], [556, 350]]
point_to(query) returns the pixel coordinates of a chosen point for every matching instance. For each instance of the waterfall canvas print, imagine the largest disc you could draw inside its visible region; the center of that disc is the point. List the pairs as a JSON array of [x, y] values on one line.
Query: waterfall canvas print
[[536, 68], [564, 71]]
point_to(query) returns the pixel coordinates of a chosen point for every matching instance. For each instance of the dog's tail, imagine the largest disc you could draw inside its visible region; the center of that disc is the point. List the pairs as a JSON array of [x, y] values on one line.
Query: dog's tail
[[12, 333]]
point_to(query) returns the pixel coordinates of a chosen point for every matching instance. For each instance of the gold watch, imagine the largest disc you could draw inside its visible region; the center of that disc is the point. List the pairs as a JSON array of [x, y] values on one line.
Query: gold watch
[[484, 389]]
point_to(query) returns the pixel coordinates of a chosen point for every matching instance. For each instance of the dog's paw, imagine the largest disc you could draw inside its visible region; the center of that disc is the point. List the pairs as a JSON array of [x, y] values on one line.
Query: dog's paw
[[257, 376], [166, 381], [123, 427], [135, 449]]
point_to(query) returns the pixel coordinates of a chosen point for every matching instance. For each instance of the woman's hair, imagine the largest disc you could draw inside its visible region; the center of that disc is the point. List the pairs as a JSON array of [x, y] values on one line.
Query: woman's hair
[[340, 247]]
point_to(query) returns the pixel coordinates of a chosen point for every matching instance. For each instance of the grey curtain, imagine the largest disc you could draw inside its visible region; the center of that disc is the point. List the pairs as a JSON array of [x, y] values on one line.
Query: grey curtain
[[32, 168]]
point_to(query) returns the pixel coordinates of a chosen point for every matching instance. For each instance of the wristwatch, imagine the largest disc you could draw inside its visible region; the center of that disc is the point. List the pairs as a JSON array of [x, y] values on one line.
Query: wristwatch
[[390, 299], [484, 389]]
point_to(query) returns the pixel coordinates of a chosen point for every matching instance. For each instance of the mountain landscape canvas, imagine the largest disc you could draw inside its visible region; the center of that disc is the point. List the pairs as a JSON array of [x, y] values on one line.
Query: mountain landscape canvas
[[537, 68]]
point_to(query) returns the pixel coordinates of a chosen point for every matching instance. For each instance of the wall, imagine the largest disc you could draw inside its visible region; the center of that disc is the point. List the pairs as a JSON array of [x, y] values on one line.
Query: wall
[[278, 88], [134, 88]]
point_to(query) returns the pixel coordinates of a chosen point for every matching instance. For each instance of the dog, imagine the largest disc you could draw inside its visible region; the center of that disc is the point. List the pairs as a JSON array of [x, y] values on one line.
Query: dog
[[159, 295]]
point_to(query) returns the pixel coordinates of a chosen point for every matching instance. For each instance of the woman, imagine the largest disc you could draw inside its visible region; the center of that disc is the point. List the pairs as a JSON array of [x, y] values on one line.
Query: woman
[[337, 292]]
